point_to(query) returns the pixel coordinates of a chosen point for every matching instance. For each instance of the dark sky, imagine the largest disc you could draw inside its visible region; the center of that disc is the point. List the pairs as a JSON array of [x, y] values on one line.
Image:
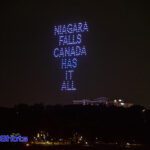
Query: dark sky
[[117, 65]]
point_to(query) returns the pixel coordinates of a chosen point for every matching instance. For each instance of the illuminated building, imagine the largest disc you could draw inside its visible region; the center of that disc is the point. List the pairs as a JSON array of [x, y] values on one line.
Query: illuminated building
[[122, 103], [103, 101], [98, 101]]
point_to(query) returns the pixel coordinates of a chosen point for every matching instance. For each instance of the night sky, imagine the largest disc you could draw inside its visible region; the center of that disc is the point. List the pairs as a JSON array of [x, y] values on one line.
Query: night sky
[[117, 64]]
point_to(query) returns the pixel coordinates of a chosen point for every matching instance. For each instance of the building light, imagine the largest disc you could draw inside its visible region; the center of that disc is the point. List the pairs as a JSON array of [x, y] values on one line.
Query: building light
[[115, 101], [122, 104], [27, 145], [120, 100], [38, 135]]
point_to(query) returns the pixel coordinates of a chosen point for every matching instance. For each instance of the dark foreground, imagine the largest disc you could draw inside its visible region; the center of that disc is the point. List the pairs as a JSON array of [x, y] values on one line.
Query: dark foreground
[[97, 147]]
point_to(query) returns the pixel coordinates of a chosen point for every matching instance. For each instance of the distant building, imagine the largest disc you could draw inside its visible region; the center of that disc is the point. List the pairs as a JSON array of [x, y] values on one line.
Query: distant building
[[98, 101], [121, 103], [103, 101]]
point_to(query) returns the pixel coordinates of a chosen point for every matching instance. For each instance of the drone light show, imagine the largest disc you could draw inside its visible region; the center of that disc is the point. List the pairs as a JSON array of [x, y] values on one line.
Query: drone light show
[[69, 48]]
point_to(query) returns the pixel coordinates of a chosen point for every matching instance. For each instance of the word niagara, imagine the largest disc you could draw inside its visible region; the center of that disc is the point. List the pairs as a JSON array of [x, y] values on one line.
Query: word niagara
[[69, 48]]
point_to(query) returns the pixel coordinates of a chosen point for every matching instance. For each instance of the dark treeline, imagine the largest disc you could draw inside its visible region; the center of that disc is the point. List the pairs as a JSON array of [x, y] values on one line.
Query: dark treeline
[[110, 123]]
